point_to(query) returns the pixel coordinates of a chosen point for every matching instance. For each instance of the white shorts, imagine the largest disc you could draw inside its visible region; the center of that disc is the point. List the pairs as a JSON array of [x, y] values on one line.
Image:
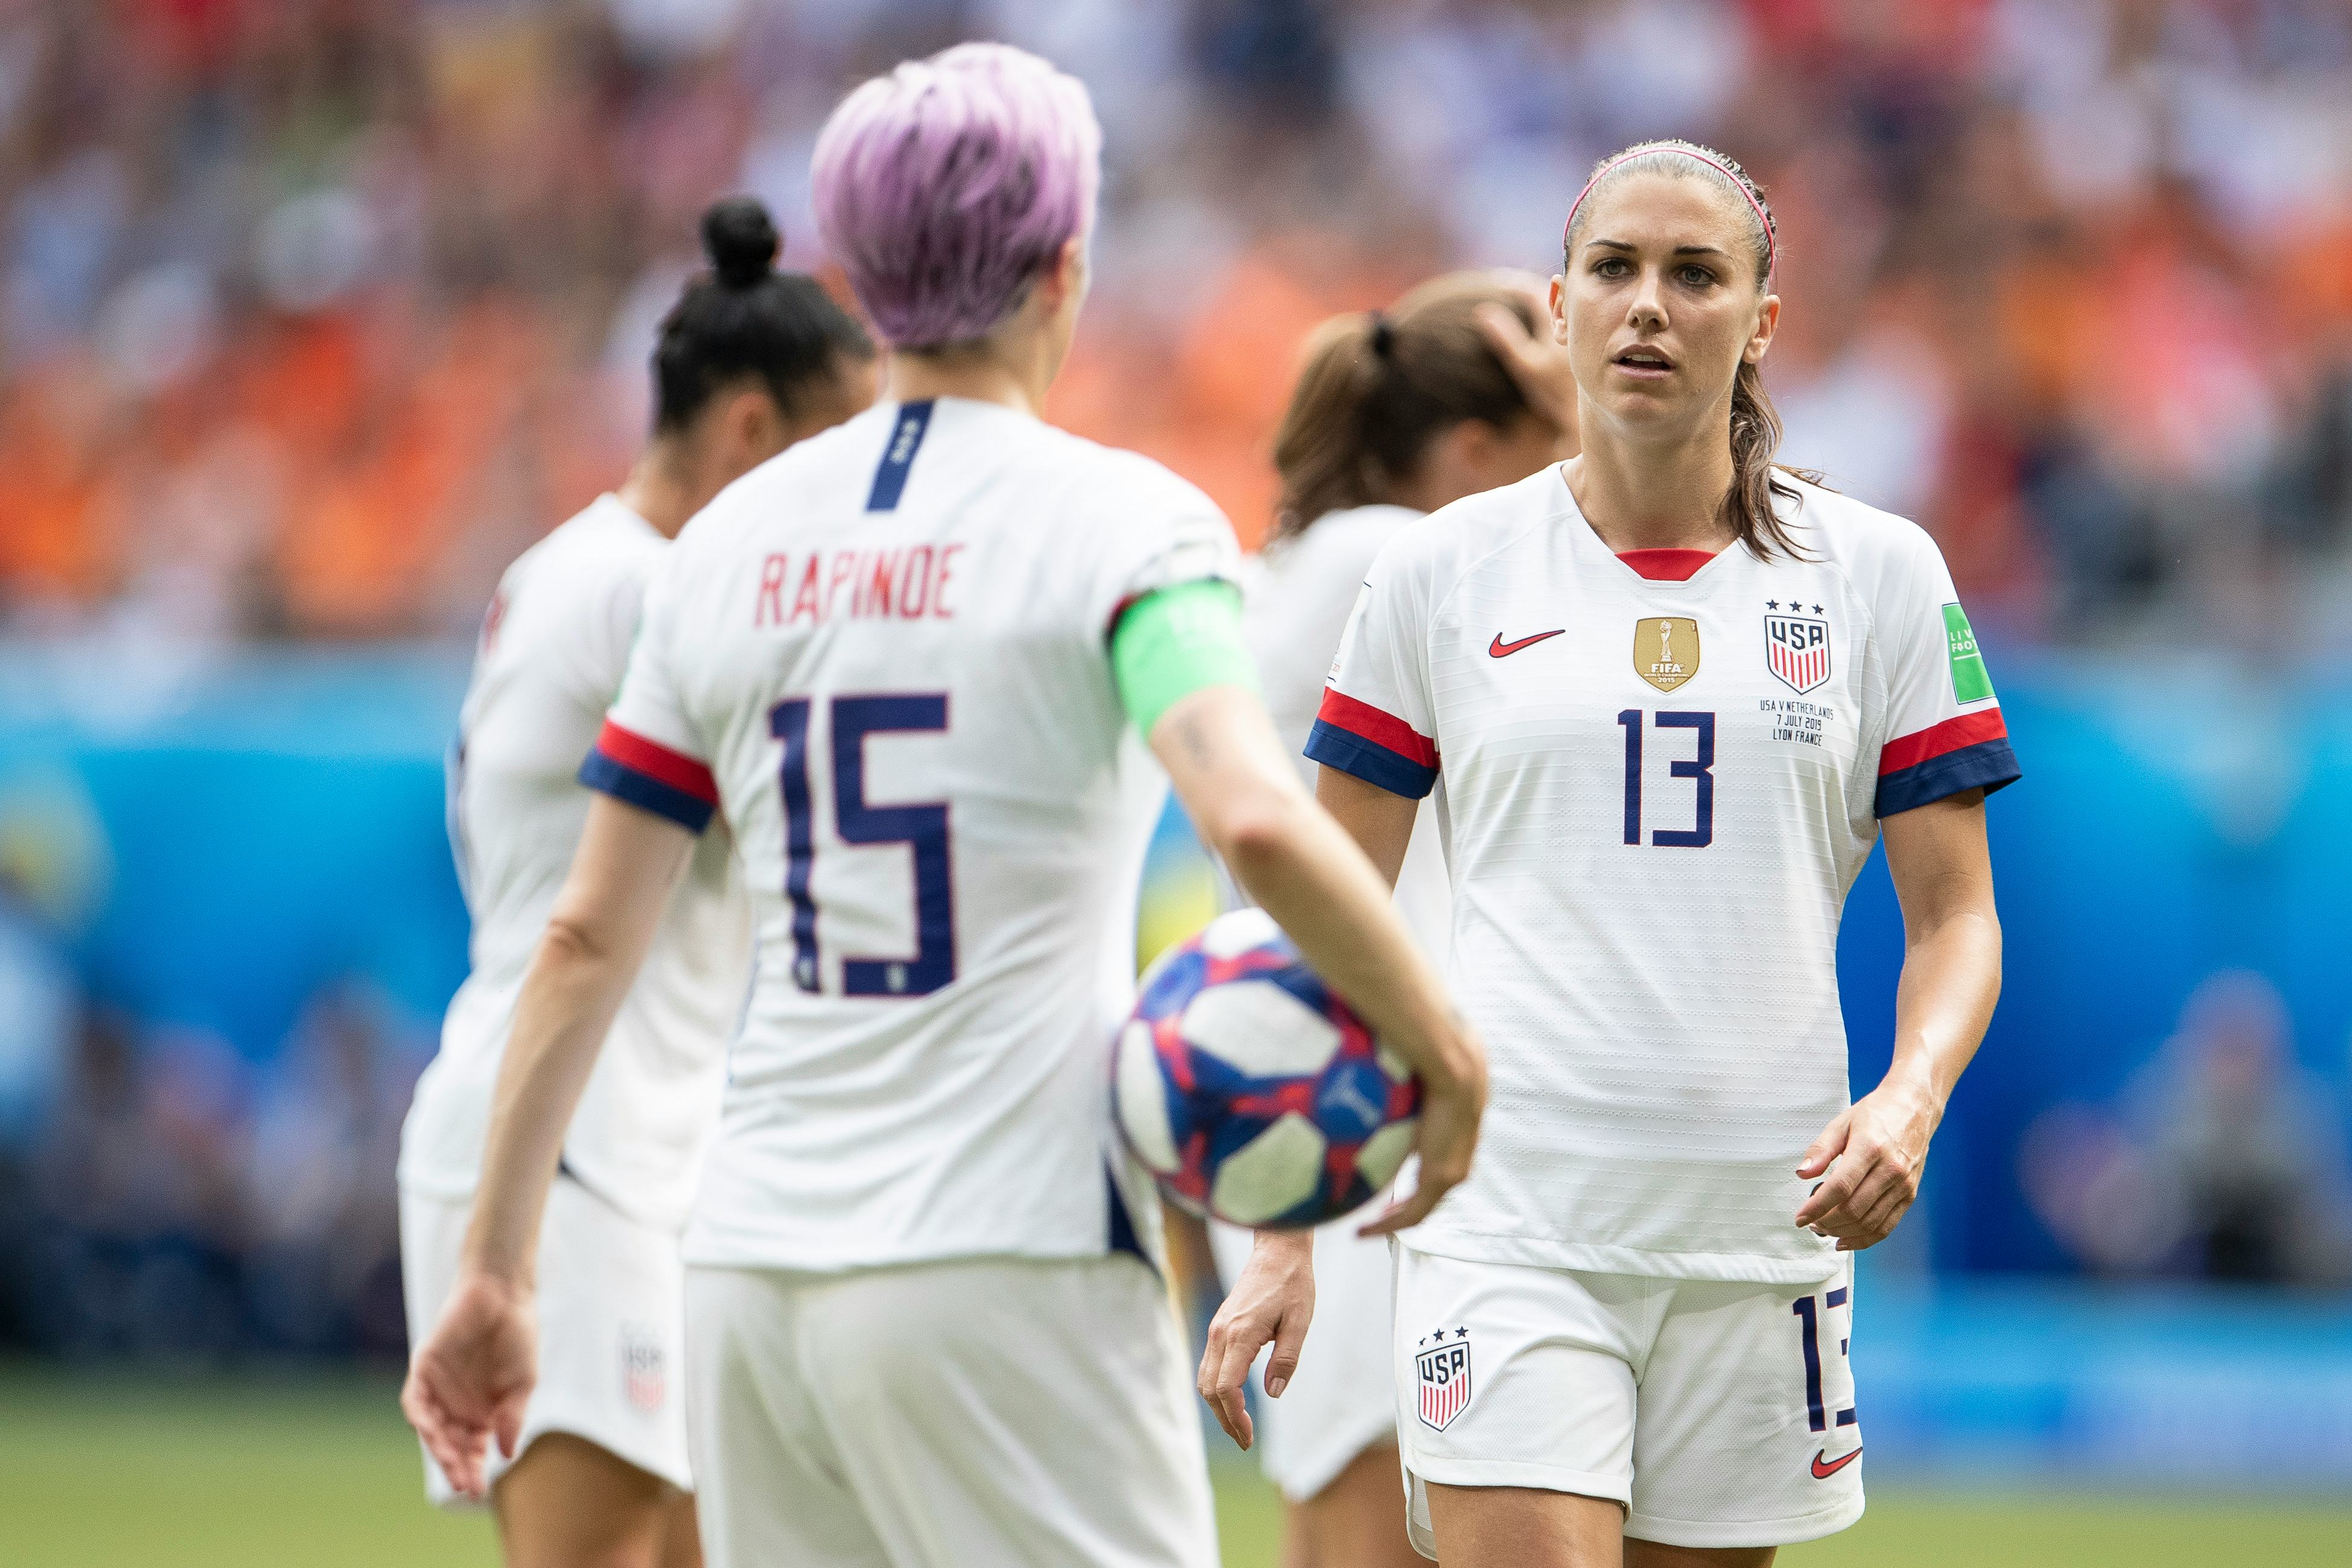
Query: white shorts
[[612, 1325], [1719, 1413], [983, 1413], [1342, 1399]]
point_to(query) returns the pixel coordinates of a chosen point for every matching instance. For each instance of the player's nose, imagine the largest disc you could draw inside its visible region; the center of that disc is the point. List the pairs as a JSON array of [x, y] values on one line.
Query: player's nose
[[1646, 310]]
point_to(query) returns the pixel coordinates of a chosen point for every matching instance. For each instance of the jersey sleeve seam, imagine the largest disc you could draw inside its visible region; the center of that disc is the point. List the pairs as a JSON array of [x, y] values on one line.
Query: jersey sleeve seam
[[1876, 724], [1462, 574]]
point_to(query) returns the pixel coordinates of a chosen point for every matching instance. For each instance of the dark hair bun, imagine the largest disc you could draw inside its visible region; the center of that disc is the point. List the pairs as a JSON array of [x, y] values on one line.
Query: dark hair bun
[[740, 240]]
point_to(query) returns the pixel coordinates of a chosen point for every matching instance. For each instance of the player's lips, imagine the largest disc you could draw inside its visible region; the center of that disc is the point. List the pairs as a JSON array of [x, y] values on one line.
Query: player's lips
[[1643, 363]]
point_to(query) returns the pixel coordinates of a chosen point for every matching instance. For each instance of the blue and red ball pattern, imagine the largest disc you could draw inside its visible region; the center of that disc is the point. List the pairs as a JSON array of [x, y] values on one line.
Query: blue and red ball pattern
[[1215, 1109]]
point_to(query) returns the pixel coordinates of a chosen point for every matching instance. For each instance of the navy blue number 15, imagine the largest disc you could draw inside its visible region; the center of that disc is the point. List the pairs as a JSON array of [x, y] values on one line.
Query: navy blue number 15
[[1700, 770], [922, 826]]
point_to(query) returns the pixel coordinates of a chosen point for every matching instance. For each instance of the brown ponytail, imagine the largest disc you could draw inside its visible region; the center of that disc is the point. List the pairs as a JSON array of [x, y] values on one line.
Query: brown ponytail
[[1319, 451], [1756, 482], [1375, 389]]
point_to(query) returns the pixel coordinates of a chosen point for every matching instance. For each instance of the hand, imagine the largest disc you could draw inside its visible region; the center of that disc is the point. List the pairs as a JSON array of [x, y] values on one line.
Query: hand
[[1451, 1106], [1538, 365], [470, 1381], [1274, 1299], [1872, 1154]]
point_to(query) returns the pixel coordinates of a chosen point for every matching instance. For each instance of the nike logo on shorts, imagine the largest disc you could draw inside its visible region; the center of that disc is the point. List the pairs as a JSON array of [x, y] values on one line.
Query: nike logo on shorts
[[1498, 649], [1822, 1472]]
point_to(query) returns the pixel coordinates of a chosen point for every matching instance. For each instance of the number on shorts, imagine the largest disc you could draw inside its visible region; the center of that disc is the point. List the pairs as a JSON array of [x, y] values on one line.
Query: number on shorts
[[1812, 1311]]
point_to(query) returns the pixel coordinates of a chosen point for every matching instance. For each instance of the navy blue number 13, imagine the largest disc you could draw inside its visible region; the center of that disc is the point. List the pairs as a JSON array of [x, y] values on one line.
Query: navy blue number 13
[[922, 826], [1699, 770]]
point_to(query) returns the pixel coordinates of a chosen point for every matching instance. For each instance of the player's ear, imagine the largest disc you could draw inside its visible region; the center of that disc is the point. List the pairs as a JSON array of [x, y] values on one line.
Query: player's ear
[[1768, 321], [751, 422], [1065, 279], [1470, 444]]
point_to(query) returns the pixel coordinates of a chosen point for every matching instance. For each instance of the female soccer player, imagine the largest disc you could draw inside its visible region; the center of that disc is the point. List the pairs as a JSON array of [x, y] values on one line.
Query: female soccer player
[[1671, 696], [1395, 415], [748, 360], [907, 662]]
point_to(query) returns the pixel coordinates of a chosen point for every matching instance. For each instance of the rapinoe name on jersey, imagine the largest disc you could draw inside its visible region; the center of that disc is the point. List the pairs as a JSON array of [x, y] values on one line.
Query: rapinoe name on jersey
[[908, 583]]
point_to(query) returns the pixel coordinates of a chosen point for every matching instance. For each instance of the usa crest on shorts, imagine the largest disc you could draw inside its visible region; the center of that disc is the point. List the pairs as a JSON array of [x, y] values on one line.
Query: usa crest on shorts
[[644, 1377], [1798, 650], [1445, 1372]]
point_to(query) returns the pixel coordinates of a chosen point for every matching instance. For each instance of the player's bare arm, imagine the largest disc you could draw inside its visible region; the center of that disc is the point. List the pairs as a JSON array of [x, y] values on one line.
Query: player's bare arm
[[472, 1378], [1246, 798], [1381, 823], [1538, 364], [1276, 1290], [1872, 1157], [1272, 1301]]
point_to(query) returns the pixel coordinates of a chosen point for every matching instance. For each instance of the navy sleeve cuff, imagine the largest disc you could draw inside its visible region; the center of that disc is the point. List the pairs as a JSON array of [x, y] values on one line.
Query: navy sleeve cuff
[[1987, 765], [1368, 761], [602, 775]]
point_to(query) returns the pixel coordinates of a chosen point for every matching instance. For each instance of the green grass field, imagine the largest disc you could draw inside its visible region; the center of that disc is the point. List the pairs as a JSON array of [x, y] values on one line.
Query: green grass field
[[109, 1474]]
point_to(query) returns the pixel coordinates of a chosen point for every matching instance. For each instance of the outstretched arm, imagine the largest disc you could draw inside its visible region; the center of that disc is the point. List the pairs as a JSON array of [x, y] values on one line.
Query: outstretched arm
[[471, 1378], [1246, 798], [1288, 854], [1871, 1157], [1185, 678]]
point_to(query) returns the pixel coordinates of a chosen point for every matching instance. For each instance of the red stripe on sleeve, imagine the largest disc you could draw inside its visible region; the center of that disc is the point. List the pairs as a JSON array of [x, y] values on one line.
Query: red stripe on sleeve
[[657, 762], [1968, 730], [1343, 712]]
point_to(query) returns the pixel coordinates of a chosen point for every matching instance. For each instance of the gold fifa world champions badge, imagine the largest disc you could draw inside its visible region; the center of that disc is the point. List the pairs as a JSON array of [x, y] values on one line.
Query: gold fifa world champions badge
[[1665, 650]]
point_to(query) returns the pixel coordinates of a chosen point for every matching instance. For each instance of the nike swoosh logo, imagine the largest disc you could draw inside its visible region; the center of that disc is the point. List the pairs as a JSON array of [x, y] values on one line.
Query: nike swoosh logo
[[1498, 649], [1823, 1472]]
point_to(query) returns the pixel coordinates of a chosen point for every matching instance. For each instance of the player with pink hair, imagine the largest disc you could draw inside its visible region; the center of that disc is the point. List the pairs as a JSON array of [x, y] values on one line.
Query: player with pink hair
[[910, 664]]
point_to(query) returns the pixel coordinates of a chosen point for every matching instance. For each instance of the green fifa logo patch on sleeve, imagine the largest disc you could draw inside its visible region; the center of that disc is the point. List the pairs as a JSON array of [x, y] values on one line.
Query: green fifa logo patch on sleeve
[[1971, 682]]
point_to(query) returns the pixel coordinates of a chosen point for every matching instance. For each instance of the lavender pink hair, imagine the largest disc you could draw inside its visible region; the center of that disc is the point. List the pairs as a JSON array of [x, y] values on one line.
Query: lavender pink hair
[[944, 188]]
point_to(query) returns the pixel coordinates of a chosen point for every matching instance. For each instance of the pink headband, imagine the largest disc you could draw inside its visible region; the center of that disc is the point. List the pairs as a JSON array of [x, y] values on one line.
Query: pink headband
[[1771, 248]]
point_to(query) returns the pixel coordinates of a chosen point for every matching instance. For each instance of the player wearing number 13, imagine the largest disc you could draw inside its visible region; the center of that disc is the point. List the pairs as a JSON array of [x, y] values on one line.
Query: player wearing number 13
[[912, 663], [1668, 696]]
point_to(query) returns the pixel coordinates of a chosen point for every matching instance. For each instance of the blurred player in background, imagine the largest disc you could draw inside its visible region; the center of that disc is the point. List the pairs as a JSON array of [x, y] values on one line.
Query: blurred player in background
[[1447, 394], [748, 360], [1671, 695], [908, 663]]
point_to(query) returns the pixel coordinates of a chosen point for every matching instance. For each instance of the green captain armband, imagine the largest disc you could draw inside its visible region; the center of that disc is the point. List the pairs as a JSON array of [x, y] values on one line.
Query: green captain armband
[[1175, 642]]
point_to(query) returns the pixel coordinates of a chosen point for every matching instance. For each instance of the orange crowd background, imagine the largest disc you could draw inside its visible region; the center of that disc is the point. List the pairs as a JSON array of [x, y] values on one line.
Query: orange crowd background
[[316, 312]]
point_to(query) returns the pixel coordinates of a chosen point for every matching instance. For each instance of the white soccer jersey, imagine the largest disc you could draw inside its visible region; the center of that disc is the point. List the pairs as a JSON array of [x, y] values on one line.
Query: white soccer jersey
[[1659, 775], [553, 648], [1295, 606], [883, 656]]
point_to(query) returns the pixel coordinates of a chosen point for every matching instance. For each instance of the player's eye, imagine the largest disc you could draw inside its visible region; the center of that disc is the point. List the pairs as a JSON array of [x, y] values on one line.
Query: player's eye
[[1610, 267], [1696, 276]]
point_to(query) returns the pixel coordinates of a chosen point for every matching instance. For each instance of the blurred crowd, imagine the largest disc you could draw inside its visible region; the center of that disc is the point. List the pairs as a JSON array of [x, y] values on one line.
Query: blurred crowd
[[2222, 1158], [314, 313], [163, 1197]]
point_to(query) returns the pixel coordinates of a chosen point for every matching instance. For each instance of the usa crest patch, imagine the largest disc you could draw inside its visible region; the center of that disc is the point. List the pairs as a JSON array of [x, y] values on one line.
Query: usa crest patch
[[1797, 648], [1444, 1374], [644, 1377]]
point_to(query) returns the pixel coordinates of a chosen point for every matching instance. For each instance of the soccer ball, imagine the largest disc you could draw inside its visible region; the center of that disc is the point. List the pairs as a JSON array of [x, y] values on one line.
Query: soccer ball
[[1250, 1091]]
